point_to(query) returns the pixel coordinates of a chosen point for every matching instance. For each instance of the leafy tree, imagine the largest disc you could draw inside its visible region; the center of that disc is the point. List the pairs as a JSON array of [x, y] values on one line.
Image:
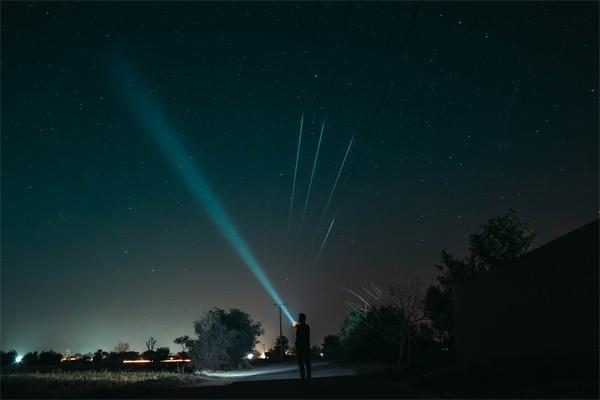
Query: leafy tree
[[99, 356], [7, 358], [31, 358], [209, 350], [149, 355], [244, 332], [182, 341], [501, 241], [331, 347], [118, 357], [49, 357], [162, 353]]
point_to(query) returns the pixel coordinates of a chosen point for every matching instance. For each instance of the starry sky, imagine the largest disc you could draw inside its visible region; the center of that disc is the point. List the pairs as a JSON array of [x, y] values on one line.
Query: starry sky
[[459, 111]]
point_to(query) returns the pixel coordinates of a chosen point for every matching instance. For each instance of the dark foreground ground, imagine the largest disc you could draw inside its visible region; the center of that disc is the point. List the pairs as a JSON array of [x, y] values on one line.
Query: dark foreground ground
[[568, 381]]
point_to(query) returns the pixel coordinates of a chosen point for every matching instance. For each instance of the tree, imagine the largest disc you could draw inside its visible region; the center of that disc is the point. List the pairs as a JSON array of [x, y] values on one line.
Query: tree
[[331, 347], [49, 357], [99, 356], [121, 347], [439, 310], [31, 358], [162, 353], [150, 343], [182, 341], [244, 332], [281, 346], [209, 350], [501, 241], [409, 301], [7, 358]]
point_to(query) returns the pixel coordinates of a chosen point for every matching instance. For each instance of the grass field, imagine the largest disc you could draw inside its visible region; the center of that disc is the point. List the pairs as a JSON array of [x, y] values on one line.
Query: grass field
[[77, 383]]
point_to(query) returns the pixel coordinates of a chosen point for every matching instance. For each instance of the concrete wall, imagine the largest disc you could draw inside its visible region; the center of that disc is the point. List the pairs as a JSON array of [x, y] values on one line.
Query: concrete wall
[[543, 304]]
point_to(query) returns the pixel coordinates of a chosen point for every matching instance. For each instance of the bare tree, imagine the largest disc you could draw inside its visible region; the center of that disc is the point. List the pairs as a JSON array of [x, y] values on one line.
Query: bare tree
[[121, 347], [408, 299], [150, 343], [404, 300]]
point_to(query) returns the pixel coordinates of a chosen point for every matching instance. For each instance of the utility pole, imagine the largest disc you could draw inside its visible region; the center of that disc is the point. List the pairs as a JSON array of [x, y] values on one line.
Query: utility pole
[[278, 305]]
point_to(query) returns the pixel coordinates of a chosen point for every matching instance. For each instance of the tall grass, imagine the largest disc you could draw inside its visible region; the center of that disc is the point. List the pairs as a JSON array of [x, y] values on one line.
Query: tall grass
[[74, 383]]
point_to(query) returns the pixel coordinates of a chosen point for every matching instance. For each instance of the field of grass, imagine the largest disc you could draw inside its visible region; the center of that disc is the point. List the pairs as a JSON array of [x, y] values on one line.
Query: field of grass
[[77, 383]]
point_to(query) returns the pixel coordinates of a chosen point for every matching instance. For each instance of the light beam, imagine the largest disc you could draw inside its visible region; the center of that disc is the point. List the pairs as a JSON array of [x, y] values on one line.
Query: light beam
[[149, 114]]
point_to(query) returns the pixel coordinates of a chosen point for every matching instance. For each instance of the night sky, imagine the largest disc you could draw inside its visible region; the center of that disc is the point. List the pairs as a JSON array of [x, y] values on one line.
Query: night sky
[[490, 106]]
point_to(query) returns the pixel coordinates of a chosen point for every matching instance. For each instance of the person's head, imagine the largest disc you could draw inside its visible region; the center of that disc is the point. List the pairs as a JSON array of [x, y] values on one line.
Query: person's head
[[302, 318]]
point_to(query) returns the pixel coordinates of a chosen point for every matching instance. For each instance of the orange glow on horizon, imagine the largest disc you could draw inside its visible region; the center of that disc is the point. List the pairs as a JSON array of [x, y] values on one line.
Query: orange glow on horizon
[[149, 361]]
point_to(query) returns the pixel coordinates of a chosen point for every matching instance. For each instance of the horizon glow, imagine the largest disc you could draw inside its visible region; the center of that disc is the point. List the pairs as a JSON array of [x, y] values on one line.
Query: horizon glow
[[149, 114]]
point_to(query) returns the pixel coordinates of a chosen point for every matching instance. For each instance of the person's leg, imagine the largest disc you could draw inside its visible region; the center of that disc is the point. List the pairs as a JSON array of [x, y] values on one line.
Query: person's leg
[[300, 359], [308, 366]]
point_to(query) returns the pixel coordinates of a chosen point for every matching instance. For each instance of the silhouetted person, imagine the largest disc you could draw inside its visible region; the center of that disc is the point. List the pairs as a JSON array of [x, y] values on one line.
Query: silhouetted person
[[303, 346]]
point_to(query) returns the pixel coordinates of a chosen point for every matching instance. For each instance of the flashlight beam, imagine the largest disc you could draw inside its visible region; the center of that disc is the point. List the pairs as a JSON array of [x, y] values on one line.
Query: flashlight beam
[[324, 241], [295, 174], [149, 114], [312, 175], [335, 183]]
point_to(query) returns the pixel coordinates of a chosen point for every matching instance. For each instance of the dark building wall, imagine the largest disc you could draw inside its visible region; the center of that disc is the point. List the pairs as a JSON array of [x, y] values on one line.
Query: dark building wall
[[545, 304]]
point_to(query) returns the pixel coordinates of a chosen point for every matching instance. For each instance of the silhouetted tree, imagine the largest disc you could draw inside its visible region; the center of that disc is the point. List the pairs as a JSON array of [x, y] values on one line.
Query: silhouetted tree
[[99, 356], [282, 345], [331, 347], [49, 357], [501, 241], [408, 299], [440, 311], [373, 334], [31, 358], [182, 341], [7, 358], [121, 347], [162, 353], [150, 343]]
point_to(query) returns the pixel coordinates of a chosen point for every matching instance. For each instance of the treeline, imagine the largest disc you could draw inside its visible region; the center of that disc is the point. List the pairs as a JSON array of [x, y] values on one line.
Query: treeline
[[413, 327]]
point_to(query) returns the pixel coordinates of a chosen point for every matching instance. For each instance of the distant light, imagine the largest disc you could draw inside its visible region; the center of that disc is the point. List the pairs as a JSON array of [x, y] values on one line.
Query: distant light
[[321, 354], [250, 356], [263, 356], [18, 359]]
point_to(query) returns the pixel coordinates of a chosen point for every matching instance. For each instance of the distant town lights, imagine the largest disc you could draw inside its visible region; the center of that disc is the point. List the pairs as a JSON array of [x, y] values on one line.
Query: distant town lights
[[250, 356], [18, 359]]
